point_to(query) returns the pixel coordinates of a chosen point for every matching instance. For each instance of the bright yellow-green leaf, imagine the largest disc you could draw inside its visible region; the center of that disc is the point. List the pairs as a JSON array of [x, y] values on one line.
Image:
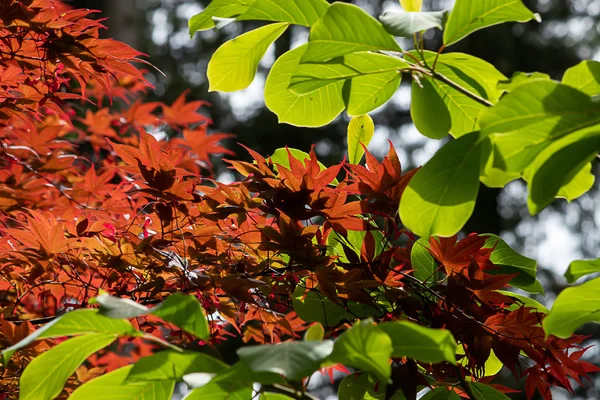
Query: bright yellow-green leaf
[[298, 12], [585, 76], [581, 268], [345, 29], [491, 367], [315, 332], [220, 9], [411, 5], [234, 64], [469, 16], [365, 93], [428, 110], [360, 132], [579, 185], [313, 109]]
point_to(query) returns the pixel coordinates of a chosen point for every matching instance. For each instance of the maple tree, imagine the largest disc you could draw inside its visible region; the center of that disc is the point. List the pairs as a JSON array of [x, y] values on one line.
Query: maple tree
[[129, 244]]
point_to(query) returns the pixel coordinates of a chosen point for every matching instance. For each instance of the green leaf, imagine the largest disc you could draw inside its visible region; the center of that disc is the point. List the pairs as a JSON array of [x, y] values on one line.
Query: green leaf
[[511, 262], [314, 307], [581, 183], [173, 365], [73, 323], [469, 16], [405, 24], [529, 118], [274, 396], [428, 110], [585, 76], [572, 308], [486, 392], [362, 387], [423, 263], [298, 12], [112, 386], [364, 346], [311, 76], [520, 78], [581, 268], [526, 301], [234, 64], [345, 29], [313, 109], [181, 310], [491, 367], [440, 393], [360, 133], [365, 93], [221, 391], [420, 343], [294, 360], [220, 9], [45, 376], [495, 177], [558, 165], [241, 374], [441, 196], [314, 332]]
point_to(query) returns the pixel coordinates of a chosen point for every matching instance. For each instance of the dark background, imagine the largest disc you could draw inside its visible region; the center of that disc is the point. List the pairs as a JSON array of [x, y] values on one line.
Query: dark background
[[570, 32]]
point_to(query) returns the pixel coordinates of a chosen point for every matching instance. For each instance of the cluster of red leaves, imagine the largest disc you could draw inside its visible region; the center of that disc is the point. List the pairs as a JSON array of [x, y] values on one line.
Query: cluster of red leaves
[[90, 201]]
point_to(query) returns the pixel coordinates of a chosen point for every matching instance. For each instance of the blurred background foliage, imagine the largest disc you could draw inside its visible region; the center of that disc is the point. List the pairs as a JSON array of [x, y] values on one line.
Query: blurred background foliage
[[570, 32]]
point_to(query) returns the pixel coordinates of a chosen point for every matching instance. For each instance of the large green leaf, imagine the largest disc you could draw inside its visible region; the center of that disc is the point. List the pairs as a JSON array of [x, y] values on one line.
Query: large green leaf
[[441, 196], [364, 346], [581, 183], [428, 110], [441, 393], [365, 93], [180, 309], [313, 109], [221, 391], [420, 343], [559, 164], [362, 387], [173, 365], [510, 261], [486, 392], [525, 301], [220, 9], [572, 308], [274, 396], [360, 133], [298, 12], [234, 64], [581, 268], [311, 76], [294, 360], [314, 307], [527, 119], [112, 386], [585, 76], [74, 323], [520, 78], [405, 24], [422, 262], [468, 16], [345, 29], [45, 376]]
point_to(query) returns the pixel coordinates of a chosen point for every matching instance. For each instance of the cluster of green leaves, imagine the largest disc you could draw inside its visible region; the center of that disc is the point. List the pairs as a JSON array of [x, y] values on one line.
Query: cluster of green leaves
[[365, 346], [525, 127]]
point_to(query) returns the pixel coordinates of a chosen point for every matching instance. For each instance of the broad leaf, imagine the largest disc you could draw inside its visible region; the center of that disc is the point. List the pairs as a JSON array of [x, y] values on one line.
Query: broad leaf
[[524, 301], [74, 323], [420, 343], [360, 133], [405, 24], [312, 76], [572, 308], [511, 262], [581, 183], [298, 12], [314, 332], [364, 346], [469, 16], [411, 5], [441, 196], [585, 76], [527, 119], [294, 360], [441, 393], [422, 262], [345, 29], [173, 365], [314, 307], [220, 9], [274, 396], [364, 386], [112, 386], [221, 391], [491, 367], [486, 392], [234, 64], [428, 110], [581, 268], [313, 109], [520, 78], [365, 93], [181, 310], [45, 376]]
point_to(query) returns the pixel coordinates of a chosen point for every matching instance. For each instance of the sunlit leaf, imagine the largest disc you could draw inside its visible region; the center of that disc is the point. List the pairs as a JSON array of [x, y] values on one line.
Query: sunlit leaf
[[585, 76], [298, 12], [581, 268], [173, 365], [428, 110], [360, 133], [420, 343], [365, 93], [220, 9]]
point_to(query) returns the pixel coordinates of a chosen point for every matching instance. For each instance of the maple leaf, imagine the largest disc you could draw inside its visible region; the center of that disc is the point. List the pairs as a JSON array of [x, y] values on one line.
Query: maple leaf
[[182, 114], [456, 257]]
